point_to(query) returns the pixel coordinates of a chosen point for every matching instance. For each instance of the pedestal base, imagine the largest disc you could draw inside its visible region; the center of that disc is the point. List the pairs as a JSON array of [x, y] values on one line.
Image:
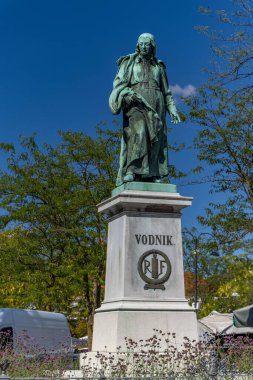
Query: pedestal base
[[111, 328]]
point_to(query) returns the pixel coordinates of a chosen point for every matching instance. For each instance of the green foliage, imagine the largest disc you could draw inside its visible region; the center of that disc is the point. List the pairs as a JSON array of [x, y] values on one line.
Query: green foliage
[[224, 280], [230, 286], [225, 143], [53, 240], [222, 108]]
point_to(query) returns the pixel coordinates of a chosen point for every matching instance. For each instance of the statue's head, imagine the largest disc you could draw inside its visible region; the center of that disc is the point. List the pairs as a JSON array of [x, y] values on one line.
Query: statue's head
[[146, 44]]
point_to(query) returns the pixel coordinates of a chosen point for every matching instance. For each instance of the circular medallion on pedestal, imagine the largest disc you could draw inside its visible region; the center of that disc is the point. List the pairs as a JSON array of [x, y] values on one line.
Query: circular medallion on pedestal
[[154, 268]]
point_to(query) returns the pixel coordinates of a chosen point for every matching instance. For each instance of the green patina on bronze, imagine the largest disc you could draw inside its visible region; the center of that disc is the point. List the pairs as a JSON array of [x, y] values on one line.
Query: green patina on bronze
[[145, 186], [141, 92]]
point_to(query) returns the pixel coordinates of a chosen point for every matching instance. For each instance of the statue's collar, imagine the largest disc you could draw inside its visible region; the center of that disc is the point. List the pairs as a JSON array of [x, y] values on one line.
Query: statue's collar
[[139, 59]]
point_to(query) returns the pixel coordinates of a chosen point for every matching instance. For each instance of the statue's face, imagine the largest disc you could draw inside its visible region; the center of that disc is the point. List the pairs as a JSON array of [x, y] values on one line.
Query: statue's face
[[145, 46]]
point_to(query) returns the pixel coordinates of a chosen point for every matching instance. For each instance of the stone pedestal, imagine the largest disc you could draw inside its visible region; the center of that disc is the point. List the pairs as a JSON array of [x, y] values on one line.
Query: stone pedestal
[[144, 273]]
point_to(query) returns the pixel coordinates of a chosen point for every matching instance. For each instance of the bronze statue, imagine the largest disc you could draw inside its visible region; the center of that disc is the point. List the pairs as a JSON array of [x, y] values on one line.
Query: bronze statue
[[141, 91]]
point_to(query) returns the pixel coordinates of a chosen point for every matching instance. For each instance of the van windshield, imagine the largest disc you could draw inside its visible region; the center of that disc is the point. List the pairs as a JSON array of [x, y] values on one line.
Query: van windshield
[[6, 338]]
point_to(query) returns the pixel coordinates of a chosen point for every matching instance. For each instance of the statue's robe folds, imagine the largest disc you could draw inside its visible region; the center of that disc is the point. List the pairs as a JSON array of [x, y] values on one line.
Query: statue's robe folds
[[144, 150]]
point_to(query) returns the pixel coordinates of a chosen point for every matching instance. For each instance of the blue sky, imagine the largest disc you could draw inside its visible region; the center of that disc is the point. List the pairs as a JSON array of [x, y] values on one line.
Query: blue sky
[[58, 61]]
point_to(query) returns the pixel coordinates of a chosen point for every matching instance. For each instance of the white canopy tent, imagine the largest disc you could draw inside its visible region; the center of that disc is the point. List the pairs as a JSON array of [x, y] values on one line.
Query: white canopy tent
[[220, 324]]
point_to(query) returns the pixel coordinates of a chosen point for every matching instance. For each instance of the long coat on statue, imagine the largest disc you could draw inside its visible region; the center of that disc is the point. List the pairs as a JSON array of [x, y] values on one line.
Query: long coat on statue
[[144, 150]]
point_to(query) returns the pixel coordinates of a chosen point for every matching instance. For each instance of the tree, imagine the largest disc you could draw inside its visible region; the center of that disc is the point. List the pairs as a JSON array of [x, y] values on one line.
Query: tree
[[224, 280], [231, 45], [223, 109], [230, 287], [30, 277], [201, 261], [96, 162], [225, 143], [50, 226]]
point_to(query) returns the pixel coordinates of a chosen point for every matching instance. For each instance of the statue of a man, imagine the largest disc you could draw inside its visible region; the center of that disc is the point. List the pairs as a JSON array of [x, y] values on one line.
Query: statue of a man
[[141, 91]]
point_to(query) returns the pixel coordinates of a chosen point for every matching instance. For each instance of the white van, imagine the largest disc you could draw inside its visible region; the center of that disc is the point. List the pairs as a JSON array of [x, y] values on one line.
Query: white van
[[34, 330]]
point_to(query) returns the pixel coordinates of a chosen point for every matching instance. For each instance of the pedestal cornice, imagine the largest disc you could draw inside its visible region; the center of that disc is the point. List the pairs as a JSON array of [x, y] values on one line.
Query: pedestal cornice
[[148, 201]]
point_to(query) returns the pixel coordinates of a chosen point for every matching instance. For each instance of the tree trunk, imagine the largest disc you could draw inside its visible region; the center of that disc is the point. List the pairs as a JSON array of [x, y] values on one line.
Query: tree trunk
[[97, 294], [90, 330], [90, 308]]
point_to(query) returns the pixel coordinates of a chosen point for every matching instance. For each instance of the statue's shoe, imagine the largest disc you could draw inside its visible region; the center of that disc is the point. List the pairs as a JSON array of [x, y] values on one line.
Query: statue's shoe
[[129, 177], [157, 180]]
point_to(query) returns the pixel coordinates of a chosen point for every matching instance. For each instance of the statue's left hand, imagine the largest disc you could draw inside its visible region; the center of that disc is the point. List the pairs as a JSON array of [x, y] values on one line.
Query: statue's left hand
[[175, 118]]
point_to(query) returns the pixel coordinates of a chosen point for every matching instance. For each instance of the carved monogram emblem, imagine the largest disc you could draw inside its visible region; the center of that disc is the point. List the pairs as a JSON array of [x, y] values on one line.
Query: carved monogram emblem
[[154, 268]]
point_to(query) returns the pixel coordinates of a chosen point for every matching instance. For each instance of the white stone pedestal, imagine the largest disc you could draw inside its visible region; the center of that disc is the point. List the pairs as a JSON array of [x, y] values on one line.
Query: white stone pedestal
[[144, 273]]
